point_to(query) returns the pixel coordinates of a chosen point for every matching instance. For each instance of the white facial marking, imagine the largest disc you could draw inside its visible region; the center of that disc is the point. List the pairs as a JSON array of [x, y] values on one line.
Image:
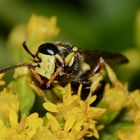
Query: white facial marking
[[47, 65]]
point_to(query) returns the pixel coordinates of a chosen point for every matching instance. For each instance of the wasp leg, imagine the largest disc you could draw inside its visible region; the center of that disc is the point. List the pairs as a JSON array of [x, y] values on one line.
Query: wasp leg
[[58, 71], [96, 83], [38, 91], [96, 75], [41, 82], [100, 65], [86, 89]]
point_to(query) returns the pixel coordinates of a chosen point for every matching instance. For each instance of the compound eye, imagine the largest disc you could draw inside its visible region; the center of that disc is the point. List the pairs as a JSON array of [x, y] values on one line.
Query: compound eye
[[48, 48]]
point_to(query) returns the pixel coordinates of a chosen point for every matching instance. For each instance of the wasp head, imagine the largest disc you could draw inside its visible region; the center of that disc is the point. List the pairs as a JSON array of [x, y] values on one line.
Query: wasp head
[[50, 57]]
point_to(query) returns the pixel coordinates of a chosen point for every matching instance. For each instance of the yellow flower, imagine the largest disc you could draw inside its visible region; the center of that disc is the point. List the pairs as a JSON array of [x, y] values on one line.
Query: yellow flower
[[41, 29], [73, 118], [44, 134], [132, 105], [111, 94], [10, 127], [23, 130], [134, 132], [114, 96], [8, 101], [38, 30]]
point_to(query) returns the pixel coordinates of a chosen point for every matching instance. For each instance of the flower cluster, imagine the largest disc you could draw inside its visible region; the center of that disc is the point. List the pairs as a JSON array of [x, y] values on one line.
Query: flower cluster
[[70, 119], [73, 118]]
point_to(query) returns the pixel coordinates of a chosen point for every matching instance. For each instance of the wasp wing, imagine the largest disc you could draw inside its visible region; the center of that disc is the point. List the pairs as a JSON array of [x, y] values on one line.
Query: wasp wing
[[93, 56]]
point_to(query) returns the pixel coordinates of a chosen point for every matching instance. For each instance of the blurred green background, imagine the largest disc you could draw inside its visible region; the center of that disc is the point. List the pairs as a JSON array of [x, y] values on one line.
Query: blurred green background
[[111, 25]]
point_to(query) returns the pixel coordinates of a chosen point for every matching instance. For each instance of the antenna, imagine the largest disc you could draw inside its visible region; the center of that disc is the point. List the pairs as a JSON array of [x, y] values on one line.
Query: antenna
[[15, 67], [27, 49]]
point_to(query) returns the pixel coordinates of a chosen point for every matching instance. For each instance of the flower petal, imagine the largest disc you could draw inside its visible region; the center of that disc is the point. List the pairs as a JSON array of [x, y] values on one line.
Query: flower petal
[[13, 118], [52, 122], [92, 99], [69, 122], [49, 106]]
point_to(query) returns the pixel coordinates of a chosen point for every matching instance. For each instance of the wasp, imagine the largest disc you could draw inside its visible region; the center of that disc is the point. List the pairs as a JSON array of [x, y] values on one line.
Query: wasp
[[62, 63]]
